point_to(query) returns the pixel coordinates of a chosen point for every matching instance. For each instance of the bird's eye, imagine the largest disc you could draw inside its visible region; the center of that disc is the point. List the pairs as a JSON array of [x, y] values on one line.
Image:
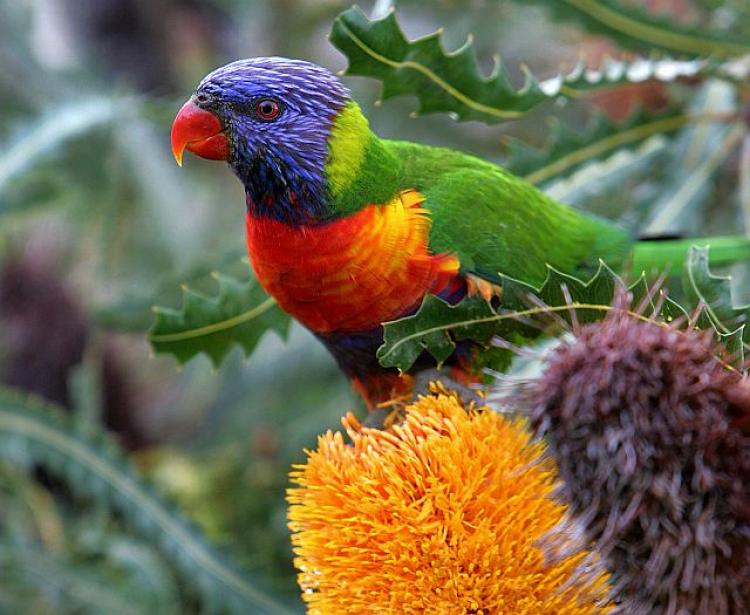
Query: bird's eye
[[202, 99], [267, 109]]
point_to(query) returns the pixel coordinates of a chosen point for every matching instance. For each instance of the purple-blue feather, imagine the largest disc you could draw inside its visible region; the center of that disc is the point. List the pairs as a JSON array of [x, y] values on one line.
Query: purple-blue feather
[[281, 163]]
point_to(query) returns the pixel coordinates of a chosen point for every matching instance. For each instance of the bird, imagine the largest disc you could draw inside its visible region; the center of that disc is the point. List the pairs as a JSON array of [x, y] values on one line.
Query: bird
[[347, 230]]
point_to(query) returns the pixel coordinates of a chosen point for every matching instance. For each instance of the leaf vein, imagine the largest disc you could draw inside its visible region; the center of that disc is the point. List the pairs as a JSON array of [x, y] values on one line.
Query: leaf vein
[[421, 68], [215, 327]]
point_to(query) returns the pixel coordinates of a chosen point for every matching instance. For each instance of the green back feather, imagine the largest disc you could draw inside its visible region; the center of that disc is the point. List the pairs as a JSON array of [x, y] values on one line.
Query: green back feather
[[495, 222]]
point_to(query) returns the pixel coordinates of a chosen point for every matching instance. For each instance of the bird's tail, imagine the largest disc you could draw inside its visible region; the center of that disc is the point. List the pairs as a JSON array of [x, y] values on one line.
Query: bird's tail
[[665, 254]]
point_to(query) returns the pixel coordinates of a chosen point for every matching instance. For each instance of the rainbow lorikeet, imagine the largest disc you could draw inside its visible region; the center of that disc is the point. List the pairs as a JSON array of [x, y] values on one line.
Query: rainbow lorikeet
[[347, 230]]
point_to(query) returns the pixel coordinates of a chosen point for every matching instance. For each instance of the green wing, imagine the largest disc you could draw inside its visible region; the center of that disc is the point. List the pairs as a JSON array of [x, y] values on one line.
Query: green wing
[[499, 224]]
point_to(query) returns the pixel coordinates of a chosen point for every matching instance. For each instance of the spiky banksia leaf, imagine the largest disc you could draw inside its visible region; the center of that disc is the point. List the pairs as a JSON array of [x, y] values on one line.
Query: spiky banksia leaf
[[451, 82], [715, 293], [436, 326], [239, 315], [651, 432]]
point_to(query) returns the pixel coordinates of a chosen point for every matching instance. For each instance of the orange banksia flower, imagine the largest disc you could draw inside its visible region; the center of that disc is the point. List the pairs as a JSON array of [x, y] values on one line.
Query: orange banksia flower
[[440, 514]]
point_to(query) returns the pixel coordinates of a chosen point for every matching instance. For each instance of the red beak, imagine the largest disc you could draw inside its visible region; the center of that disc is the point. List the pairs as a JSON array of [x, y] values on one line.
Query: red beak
[[198, 131]]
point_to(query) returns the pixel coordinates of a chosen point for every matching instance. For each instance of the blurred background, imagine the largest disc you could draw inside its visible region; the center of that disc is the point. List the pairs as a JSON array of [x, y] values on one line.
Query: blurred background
[[97, 225]]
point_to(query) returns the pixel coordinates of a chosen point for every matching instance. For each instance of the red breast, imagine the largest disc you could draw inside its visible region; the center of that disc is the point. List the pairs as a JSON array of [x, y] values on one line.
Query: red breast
[[354, 273]]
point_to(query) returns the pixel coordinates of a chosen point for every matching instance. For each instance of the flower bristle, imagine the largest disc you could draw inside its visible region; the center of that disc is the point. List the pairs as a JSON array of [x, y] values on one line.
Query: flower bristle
[[650, 430], [441, 513]]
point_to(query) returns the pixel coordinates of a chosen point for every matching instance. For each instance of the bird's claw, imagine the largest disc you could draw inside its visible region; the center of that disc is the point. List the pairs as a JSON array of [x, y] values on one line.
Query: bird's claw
[[479, 286]]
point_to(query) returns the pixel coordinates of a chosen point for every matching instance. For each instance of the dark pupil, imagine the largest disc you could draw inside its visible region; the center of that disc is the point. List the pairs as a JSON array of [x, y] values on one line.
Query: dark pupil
[[267, 108]]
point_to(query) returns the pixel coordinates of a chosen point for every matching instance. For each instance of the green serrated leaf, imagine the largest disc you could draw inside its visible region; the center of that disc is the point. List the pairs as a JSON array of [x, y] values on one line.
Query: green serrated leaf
[[437, 325], [567, 150], [441, 81], [634, 28], [596, 291], [240, 314], [713, 293], [451, 82], [93, 466], [433, 328]]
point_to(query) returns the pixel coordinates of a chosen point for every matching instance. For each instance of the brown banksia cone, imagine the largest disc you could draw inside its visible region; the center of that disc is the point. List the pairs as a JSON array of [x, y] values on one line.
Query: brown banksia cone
[[651, 433]]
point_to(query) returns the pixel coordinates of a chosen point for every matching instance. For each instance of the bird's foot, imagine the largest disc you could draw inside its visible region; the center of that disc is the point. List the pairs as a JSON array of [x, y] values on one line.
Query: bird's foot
[[427, 382], [388, 413], [479, 286], [439, 382]]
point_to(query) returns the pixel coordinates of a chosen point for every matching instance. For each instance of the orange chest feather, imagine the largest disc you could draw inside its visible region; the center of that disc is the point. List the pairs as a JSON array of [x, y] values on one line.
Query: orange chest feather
[[354, 273]]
